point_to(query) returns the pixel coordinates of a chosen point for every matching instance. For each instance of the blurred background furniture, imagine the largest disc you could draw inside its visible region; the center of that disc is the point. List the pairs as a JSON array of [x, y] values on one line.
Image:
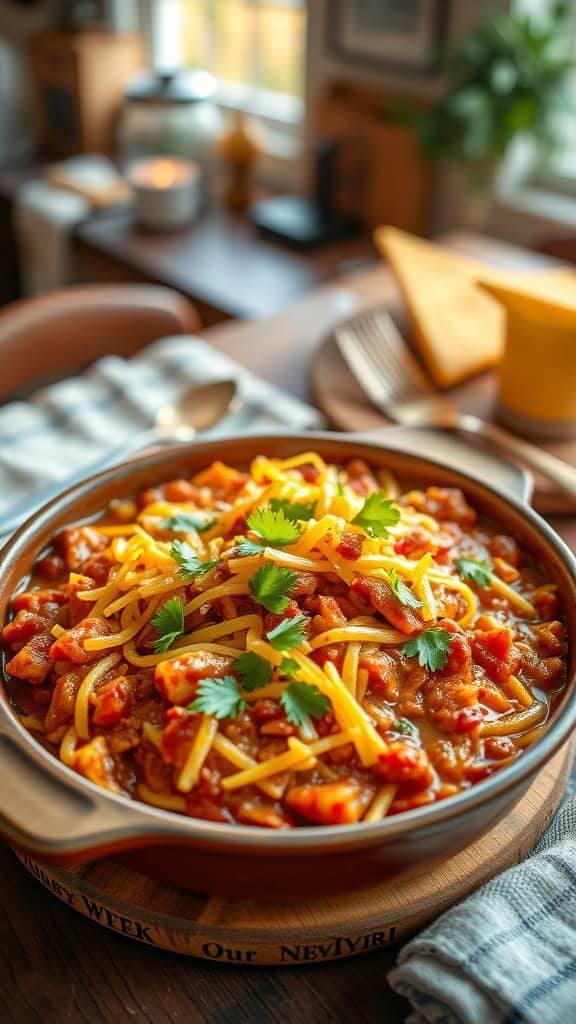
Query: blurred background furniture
[[49, 336]]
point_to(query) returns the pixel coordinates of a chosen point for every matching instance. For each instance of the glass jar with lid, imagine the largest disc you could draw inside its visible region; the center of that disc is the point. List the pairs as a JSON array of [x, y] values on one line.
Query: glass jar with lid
[[173, 114]]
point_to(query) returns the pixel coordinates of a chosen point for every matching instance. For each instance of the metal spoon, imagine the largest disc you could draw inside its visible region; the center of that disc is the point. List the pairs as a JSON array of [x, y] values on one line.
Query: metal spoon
[[198, 409]]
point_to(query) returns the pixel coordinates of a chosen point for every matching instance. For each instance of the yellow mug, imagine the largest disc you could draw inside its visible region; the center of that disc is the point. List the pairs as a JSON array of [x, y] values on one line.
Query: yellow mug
[[537, 374]]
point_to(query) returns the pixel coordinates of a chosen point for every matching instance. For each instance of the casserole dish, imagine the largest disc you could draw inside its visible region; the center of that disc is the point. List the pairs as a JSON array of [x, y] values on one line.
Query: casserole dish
[[50, 811]]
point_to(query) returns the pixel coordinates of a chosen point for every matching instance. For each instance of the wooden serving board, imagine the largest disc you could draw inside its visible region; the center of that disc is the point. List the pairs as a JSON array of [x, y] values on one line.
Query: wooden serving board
[[347, 407], [246, 932]]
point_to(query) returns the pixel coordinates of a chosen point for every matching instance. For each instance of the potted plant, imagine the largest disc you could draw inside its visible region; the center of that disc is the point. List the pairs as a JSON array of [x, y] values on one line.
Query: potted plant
[[505, 78]]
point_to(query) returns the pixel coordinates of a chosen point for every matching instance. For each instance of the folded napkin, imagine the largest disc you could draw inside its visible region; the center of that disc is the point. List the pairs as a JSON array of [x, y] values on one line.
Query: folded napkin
[[65, 427], [507, 954]]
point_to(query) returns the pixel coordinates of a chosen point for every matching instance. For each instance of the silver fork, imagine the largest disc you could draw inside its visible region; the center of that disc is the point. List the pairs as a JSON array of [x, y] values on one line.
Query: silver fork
[[386, 370]]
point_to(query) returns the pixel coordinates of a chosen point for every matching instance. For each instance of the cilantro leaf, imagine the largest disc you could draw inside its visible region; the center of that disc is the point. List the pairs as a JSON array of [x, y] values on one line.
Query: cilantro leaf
[[271, 586], [183, 522], [293, 510], [376, 514], [189, 563], [340, 489], [219, 697], [288, 633], [477, 571], [253, 670], [168, 623], [404, 727], [289, 668], [431, 646], [274, 527], [406, 596], [249, 547], [301, 701]]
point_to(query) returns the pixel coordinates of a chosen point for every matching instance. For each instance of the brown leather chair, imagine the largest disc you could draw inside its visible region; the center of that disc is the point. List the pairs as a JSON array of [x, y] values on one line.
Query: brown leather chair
[[50, 336]]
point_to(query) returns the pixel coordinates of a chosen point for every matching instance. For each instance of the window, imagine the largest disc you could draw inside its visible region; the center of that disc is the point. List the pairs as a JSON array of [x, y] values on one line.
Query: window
[[553, 172], [255, 48]]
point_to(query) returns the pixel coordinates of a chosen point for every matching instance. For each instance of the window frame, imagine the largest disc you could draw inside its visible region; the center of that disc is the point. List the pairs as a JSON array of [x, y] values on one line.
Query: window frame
[[272, 108]]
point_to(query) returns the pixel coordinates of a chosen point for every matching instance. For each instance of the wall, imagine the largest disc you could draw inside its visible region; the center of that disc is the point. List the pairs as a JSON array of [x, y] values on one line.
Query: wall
[[17, 24], [451, 189]]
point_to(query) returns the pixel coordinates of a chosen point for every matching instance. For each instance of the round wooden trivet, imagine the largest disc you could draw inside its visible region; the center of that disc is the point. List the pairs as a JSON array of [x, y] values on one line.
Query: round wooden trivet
[[342, 400], [246, 932]]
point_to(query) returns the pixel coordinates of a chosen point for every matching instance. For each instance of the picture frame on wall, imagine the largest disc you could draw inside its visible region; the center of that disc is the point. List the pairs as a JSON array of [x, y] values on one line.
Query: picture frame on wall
[[399, 36]]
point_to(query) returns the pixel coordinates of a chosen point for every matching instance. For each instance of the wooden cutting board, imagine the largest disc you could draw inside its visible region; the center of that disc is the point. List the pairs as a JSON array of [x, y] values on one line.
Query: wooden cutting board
[[246, 932]]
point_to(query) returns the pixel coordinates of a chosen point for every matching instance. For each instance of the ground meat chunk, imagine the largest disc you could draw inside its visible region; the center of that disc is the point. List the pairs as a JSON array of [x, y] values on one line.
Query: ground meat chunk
[[33, 662], [63, 698], [176, 679], [444, 504], [382, 597], [114, 701], [70, 646], [405, 764], [23, 627], [78, 544]]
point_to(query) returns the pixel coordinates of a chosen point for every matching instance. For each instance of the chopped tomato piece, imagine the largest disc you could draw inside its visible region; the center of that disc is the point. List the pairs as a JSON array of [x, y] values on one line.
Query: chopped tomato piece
[[494, 650], [181, 490], [176, 679], [23, 627], [331, 803], [271, 620], [350, 546], [178, 735], [502, 546], [33, 661], [551, 637], [114, 701], [497, 747], [306, 583], [361, 478], [265, 814], [334, 653], [78, 585], [405, 764], [504, 570], [383, 672], [547, 604], [78, 543], [44, 602], [331, 612], [444, 504], [70, 646]]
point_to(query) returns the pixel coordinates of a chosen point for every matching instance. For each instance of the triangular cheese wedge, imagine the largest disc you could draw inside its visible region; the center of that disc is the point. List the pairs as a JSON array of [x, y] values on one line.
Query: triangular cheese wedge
[[457, 326]]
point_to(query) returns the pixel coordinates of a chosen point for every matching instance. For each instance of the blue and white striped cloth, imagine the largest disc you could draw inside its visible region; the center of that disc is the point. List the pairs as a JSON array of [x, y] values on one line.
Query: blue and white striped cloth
[[506, 954], [65, 427]]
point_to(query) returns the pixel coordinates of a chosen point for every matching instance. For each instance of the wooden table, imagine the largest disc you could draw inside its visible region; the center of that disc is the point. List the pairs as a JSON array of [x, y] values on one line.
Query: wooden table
[[55, 966], [226, 266], [221, 262]]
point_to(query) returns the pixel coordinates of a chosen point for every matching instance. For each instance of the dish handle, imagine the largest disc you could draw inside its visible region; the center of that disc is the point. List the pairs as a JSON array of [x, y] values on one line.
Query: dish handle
[[62, 818], [488, 467]]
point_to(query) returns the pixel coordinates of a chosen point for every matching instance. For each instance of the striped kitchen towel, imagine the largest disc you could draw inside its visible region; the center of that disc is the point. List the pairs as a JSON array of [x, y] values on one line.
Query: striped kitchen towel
[[67, 426], [507, 954]]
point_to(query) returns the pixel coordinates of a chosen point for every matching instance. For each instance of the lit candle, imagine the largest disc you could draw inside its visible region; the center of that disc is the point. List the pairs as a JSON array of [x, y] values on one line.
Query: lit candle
[[166, 191]]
